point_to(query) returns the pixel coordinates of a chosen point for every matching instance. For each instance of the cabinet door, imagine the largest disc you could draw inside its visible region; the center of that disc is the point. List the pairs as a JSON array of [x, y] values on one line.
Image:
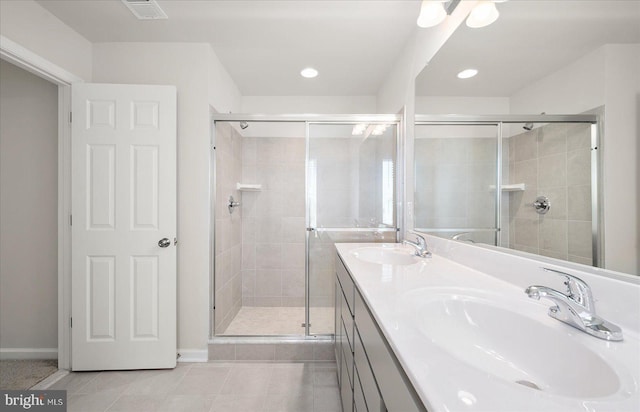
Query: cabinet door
[[359, 403], [369, 385], [396, 389], [346, 391]]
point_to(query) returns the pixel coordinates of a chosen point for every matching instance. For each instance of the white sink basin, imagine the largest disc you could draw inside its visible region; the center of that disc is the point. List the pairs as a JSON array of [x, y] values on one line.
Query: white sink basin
[[512, 346], [397, 256]]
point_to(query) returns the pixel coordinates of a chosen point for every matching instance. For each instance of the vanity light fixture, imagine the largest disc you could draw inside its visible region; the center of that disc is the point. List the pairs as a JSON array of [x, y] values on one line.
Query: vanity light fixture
[[483, 14], [433, 12], [309, 72], [468, 73]]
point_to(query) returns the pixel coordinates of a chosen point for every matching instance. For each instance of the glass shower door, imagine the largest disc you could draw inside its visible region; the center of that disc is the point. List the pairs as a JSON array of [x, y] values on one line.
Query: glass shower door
[[455, 181], [351, 197]]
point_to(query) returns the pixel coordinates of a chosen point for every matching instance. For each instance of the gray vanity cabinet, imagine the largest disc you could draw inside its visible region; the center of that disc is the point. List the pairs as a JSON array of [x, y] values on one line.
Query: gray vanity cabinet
[[371, 380], [344, 337]]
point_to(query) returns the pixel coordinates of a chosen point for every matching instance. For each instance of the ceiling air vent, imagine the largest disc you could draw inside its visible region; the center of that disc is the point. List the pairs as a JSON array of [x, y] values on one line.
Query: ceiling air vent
[[145, 9]]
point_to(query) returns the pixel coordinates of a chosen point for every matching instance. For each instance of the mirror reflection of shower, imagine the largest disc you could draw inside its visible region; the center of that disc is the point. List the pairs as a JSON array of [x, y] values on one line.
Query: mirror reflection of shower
[[547, 183], [529, 126]]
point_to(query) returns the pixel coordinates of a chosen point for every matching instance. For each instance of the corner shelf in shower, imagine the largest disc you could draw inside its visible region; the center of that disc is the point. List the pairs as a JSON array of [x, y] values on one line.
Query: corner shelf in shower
[[515, 187], [245, 187]]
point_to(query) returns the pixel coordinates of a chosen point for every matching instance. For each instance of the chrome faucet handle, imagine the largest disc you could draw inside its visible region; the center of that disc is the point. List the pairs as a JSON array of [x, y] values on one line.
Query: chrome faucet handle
[[420, 245], [576, 307], [577, 290]]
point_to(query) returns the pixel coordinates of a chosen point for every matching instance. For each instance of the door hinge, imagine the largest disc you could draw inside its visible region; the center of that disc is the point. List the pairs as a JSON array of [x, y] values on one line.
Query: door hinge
[[71, 322], [70, 220], [70, 117]]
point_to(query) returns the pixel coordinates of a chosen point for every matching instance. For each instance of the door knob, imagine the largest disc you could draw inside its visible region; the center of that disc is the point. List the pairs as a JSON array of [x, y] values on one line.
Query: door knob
[[164, 242]]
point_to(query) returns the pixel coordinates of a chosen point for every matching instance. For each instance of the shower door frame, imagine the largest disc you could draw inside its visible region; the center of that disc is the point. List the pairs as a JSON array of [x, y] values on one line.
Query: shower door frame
[[394, 120], [596, 122]]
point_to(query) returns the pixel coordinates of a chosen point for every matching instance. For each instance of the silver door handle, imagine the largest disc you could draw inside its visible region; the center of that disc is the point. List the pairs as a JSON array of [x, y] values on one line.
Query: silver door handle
[[164, 242]]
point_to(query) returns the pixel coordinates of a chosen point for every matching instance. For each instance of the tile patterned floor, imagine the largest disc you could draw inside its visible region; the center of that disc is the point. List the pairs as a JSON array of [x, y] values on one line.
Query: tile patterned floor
[[207, 387], [264, 321]]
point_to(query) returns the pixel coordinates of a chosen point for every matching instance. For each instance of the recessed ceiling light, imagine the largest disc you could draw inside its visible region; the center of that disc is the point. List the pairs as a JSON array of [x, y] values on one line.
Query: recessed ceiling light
[[309, 72], [465, 74]]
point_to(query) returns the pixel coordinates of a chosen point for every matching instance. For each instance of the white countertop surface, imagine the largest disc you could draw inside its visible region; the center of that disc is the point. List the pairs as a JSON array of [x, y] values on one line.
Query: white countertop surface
[[396, 296]]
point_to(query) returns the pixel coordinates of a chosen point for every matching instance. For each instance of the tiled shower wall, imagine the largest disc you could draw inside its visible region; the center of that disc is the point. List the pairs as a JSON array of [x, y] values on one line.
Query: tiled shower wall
[[555, 161], [273, 227], [228, 229]]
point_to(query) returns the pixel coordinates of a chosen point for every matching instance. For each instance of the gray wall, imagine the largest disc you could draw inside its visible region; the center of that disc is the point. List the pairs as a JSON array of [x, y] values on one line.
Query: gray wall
[[28, 210]]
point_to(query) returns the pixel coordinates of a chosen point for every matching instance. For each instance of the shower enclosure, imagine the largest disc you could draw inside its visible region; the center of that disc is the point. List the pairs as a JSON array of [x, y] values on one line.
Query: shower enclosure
[[528, 183], [284, 190]]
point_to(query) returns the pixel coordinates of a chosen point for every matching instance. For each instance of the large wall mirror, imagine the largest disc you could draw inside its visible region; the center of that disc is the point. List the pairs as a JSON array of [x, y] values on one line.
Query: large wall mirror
[[490, 167], [546, 169]]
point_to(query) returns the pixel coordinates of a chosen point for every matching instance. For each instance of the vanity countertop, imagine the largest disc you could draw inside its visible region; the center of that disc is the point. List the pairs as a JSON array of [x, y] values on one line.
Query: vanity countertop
[[470, 341]]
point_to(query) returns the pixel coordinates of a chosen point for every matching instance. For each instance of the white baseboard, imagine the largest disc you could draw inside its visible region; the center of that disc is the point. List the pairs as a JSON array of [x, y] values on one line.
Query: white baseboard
[[28, 353], [193, 355]]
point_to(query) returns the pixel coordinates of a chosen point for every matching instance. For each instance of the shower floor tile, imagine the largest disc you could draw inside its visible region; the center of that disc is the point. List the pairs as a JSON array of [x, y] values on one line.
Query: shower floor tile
[[254, 320]]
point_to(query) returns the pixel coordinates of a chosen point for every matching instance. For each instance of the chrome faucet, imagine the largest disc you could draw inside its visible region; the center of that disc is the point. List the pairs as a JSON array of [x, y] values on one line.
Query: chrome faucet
[[460, 235], [575, 307], [420, 245]]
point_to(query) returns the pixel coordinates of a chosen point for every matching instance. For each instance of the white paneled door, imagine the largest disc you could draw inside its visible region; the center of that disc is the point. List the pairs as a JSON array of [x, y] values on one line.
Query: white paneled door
[[123, 227]]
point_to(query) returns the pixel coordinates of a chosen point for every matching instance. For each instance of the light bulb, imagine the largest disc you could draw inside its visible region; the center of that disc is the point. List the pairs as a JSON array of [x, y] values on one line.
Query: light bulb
[[432, 13], [483, 14]]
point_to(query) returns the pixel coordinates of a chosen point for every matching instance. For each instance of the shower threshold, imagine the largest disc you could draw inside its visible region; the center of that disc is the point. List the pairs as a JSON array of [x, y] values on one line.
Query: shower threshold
[[279, 321], [272, 349]]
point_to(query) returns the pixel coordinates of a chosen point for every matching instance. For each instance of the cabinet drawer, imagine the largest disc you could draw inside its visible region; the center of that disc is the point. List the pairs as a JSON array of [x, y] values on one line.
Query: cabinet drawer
[[346, 283], [396, 389], [367, 381]]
